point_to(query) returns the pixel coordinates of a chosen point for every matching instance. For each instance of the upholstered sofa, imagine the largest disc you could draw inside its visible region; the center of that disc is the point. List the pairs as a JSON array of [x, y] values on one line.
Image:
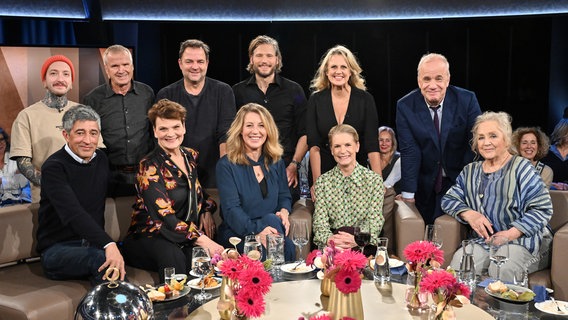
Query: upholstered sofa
[[555, 277], [24, 291]]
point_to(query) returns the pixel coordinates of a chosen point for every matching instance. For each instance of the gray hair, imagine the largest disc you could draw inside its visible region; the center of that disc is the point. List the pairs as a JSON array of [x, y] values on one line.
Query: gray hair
[[116, 48], [433, 56], [503, 120], [79, 113]]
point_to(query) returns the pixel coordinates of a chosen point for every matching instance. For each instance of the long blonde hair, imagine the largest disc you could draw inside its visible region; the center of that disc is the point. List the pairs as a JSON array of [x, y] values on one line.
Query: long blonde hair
[[272, 150], [321, 82]]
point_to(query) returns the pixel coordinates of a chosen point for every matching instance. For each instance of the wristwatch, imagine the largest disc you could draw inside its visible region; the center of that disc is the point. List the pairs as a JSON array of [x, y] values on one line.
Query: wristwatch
[[296, 163]]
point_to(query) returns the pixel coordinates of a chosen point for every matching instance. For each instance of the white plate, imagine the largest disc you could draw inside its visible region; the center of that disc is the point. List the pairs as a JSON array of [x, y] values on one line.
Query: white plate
[[395, 263], [193, 284], [182, 293], [515, 288], [302, 268], [549, 307]]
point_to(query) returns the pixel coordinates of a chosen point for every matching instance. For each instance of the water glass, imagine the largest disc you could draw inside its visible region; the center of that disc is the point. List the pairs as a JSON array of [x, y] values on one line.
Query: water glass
[[275, 252], [382, 270], [253, 247], [521, 277], [433, 233], [466, 272], [168, 273]]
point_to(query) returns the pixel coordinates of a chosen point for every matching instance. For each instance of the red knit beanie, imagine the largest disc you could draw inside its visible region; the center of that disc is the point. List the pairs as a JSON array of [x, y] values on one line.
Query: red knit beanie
[[53, 59]]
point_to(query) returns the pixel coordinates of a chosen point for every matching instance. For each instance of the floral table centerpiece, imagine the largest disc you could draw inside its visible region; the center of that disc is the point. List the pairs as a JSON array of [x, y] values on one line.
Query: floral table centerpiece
[[446, 292], [246, 283], [421, 256], [323, 260]]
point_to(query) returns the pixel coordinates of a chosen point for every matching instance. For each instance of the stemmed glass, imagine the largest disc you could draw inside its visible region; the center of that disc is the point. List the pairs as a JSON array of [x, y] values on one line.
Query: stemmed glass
[[201, 265], [498, 251], [362, 234], [299, 234], [432, 233]]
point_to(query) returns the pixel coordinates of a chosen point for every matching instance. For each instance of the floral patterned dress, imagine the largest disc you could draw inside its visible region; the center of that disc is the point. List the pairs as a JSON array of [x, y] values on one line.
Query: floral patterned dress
[[169, 202]]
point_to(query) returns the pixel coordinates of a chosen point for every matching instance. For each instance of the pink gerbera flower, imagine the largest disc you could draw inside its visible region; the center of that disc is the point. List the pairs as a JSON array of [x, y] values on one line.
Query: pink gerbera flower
[[422, 251], [231, 268], [322, 317], [250, 302], [348, 281], [251, 277], [350, 260], [438, 279], [311, 256]]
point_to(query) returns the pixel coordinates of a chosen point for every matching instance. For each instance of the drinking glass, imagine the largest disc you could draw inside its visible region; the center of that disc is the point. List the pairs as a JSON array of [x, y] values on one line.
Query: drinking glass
[[521, 277], [168, 273], [382, 269], [362, 234], [253, 247], [201, 265], [299, 234], [275, 252], [498, 251], [432, 233], [466, 271]]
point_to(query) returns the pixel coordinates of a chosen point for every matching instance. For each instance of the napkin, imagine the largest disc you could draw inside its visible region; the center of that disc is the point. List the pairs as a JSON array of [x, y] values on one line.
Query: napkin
[[399, 270], [540, 292]]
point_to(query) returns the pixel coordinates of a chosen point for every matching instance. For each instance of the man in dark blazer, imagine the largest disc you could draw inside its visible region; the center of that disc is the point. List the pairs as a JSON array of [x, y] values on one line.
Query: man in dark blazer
[[433, 157]]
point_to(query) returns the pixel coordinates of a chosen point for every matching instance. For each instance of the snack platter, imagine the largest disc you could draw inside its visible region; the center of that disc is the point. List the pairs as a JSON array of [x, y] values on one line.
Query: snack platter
[[209, 284], [510, 293]]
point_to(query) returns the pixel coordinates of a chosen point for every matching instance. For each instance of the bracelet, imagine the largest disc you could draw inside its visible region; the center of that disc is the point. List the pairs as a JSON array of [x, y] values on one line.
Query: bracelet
[[296, 163]]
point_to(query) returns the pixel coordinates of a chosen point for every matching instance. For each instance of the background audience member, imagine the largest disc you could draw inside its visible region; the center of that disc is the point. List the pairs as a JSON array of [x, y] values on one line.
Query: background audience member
[[35, 132], [252, 181], [123, 106], [390, 158], [500, 196], [347, 194], [284, 98], [170, 203], [434, 125], [71, 236], [340, 97], [210, 106], [532, 143], [14, 187], [557, 156]]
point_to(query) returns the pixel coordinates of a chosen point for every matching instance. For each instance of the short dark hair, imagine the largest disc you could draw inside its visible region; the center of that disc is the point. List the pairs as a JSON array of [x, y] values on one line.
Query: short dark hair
[[194, 43]]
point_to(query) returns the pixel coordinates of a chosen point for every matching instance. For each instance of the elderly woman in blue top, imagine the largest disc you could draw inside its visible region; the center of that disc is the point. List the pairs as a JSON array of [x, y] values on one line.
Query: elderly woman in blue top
[[502, 195], [252, 181]]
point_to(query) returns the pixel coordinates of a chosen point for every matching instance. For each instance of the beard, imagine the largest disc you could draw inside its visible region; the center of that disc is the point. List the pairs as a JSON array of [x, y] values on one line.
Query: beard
[[262, 74]]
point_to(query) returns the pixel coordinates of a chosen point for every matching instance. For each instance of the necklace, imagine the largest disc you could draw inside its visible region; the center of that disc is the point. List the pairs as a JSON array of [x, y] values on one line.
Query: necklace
[[491, 169]]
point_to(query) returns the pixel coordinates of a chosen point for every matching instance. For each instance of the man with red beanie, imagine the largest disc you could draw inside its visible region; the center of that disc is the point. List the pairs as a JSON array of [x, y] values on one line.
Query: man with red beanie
[[35, 131]]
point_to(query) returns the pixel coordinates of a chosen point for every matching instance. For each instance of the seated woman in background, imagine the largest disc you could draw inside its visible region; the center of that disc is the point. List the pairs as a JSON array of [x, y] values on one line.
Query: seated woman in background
[[252, 181], [501, 195], [532, 143], [14, 187], [170, 203], [347, 194], [390, 158], [557, 157]]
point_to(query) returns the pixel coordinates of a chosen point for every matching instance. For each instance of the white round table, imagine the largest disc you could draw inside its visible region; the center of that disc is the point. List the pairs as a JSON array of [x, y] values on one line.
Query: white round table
[[293, 299]]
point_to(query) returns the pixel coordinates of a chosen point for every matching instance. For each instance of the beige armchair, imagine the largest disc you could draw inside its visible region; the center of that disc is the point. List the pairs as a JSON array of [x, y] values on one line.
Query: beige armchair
[[555, 277], [408, 224]]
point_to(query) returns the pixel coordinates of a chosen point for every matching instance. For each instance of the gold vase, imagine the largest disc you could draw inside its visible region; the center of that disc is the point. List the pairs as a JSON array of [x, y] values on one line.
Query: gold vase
[[345, 304], [226, 302], [325, 287]]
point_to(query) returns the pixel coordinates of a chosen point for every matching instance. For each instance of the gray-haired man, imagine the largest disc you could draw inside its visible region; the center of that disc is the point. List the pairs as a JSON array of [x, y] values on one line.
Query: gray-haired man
[[71, 236]]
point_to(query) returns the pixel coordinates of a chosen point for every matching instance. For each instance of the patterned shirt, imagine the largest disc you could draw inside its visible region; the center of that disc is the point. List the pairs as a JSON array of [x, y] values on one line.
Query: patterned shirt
[[169, 202], [343, 201], [513, 196]]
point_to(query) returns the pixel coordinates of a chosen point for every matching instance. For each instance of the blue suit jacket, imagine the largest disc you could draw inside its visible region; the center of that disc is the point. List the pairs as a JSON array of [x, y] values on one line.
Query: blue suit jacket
[[420, 149]]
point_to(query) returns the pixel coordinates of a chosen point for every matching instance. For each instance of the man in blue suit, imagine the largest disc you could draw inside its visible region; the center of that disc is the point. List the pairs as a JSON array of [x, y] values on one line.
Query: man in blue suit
[[434, 125]]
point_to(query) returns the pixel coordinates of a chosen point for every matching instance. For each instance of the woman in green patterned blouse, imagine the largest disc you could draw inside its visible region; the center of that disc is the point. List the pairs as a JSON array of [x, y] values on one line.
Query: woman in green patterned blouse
[[347, 194]]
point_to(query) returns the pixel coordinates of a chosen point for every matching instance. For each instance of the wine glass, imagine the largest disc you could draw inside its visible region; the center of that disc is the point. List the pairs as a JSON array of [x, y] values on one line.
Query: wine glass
[[498, 251], [201, 265], [299, 234], [432, 233], [362, 234]]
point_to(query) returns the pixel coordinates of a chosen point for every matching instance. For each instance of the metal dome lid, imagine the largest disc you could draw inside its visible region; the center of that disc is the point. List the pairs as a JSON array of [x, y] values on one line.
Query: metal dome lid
[[115, 300]]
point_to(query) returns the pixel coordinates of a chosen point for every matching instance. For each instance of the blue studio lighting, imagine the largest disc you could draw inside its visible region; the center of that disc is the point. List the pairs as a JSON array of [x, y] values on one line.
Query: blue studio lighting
[[322, 10], [60, 9]]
